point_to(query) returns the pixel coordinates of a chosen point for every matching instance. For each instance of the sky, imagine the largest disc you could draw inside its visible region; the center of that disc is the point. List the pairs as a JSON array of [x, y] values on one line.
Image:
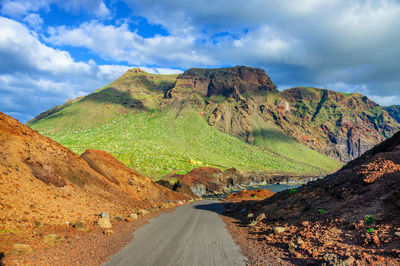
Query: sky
[[54, 50]]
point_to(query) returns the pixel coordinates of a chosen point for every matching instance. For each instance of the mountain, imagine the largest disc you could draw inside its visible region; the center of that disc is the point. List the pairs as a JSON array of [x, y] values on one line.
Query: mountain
[[157, 124], [44, 182], [244, 102], [224, 117]]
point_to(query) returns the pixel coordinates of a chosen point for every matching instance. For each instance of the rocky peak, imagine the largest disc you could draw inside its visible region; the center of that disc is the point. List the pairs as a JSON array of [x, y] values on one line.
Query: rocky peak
[[223, 81]]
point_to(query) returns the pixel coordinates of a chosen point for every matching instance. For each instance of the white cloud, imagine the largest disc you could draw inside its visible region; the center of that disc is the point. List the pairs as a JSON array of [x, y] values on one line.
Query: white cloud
[[34, 21], [35, 77], [120, 44], [18, 8], [310, 41]]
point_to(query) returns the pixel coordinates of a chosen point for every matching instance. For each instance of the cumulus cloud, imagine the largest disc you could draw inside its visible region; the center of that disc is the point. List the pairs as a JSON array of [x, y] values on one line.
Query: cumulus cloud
[[34, 77], [315, 42], [120, 44], [18, 8]]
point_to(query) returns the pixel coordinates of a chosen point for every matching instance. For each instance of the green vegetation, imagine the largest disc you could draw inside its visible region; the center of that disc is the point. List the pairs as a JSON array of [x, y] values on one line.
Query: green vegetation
[[156, 143], [347, 94], [270, 138], [369, 219], [292, 191], [321, 211], [370, 230]]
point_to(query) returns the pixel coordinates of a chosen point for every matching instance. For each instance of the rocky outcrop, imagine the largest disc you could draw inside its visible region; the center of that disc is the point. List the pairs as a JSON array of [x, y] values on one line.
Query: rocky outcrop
[[210, 181], [222, 81]]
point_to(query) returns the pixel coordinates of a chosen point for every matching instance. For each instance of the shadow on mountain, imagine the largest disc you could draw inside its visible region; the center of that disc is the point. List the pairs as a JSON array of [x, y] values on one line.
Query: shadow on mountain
[[153, 86], [113, 96], [273, 135]]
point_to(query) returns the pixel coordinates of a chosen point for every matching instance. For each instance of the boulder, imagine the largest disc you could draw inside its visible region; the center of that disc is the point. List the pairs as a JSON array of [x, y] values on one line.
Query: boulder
[[104, 215], [81, 227], [118, 218], [260, 217], [21, 249], [133, 216], [279, 229], [51, 239], [104, 223]]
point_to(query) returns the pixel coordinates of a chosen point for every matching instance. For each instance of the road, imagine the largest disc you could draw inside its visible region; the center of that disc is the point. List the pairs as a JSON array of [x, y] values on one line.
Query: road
[[192, 235]]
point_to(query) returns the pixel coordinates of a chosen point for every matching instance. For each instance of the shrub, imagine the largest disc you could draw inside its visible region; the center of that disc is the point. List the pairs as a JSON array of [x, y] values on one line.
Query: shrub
[[369, 219]]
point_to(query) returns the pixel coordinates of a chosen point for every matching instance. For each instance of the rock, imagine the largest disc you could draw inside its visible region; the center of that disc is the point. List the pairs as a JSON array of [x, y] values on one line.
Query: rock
[[108, 232], [299, 241], [250, 215], [397, 234], [104, 223], [336, 260], [81, 227], [51, 239], [279, 229], [180, 202], [129, 219], [21, 249], [260, 217], [143, 212], [118, 218], [253, 223], [104, 215], [133, 216], [376, 241]]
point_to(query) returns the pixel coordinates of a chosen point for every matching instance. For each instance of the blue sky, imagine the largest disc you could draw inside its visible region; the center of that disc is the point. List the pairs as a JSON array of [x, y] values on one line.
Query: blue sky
[[53, 50]]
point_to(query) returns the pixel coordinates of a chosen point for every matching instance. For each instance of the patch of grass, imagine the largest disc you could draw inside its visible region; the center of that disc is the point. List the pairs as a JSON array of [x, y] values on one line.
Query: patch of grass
[[321, 211], [292, 191]]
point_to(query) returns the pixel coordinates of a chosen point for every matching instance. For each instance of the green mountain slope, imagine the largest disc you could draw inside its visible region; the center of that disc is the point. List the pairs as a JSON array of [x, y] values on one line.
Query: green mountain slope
[[131, 119]]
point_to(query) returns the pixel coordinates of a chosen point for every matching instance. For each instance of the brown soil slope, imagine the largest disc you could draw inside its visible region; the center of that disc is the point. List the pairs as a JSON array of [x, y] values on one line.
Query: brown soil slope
[[128, 180], [353, 214], [369, 185], [41, 181]]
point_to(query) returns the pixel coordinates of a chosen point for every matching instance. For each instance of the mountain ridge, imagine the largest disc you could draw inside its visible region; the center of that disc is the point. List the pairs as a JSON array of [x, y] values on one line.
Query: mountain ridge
[[268, 119]]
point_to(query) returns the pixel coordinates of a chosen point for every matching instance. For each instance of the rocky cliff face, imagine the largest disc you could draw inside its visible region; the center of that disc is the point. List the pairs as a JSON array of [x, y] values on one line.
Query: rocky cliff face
[[245, 103], [336, 124], [222, 81]]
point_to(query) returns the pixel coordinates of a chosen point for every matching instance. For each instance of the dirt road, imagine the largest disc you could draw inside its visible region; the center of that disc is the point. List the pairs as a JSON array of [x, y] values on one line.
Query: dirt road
[[192, 235]]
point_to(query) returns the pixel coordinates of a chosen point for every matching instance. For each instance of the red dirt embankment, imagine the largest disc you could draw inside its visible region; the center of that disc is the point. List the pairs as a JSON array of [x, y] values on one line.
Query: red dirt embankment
[[43, 183], [350, 216], [259, 194]]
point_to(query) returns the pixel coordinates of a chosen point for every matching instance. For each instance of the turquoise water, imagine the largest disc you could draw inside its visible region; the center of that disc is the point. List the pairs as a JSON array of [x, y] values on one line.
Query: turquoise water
[[273, 187]]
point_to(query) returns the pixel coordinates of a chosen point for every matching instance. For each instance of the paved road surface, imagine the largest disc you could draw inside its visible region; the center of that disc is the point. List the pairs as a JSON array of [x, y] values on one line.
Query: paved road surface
[[191, 235]]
